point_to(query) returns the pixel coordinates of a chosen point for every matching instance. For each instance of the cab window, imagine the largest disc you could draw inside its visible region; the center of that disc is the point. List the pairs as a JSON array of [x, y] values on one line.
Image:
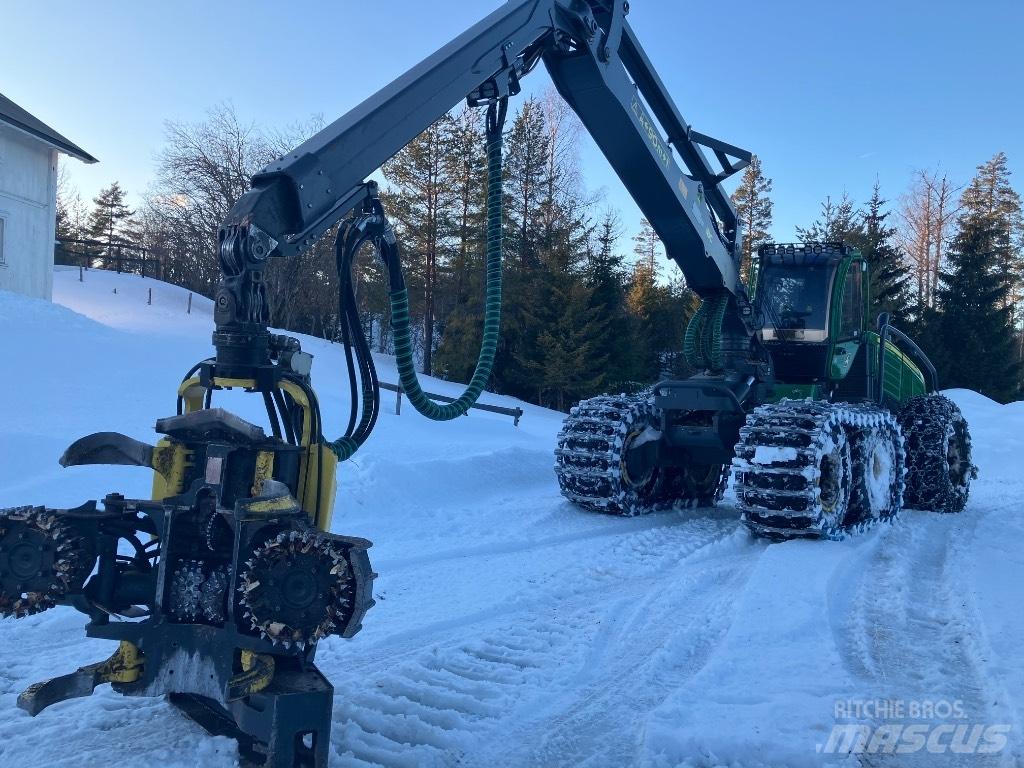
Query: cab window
[[853, 303]]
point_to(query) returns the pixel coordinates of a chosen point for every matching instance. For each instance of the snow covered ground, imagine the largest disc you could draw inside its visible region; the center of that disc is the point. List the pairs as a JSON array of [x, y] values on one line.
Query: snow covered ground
[[513, 629]]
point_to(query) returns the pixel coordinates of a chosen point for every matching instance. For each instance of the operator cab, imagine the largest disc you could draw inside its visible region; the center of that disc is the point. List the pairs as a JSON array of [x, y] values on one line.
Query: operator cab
[[797, 297]]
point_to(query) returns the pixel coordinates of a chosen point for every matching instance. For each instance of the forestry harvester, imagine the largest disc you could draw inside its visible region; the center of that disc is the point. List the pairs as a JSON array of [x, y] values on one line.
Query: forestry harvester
[[220, 586]]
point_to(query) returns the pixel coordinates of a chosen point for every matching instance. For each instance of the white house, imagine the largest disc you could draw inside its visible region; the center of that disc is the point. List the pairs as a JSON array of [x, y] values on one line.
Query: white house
[[28, 199]]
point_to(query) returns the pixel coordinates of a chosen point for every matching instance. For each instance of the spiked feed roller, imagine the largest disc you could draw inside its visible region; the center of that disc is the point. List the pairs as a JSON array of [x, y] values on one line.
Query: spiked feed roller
[[296, 588]]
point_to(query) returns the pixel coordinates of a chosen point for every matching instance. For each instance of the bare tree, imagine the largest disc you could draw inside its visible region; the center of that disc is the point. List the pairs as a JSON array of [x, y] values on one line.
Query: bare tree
[[72, 212], [202, 170], [927, 213]]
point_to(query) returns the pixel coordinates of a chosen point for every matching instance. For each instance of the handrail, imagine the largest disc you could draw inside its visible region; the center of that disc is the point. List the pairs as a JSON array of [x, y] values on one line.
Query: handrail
[[515, 413], [884, 331]]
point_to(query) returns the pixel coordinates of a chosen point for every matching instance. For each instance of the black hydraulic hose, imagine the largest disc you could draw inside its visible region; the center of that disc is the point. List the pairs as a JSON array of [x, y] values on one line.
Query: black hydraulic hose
[[275, 424], [286, 417], [364, 385]]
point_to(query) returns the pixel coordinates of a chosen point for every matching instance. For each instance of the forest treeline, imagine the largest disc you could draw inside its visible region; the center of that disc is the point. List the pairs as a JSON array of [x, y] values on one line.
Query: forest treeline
[[585, 309]]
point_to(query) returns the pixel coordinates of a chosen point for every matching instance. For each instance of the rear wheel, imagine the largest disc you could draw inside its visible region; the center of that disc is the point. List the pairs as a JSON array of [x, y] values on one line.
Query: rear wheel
[[879, 465], [939, 466]]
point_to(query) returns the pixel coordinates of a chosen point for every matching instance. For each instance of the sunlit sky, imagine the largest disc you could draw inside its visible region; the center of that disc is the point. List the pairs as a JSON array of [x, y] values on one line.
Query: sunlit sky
[[830, 95]]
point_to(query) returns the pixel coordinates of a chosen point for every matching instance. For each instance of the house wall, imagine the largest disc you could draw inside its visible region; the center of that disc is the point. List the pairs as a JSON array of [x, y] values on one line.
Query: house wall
[[28, 206]]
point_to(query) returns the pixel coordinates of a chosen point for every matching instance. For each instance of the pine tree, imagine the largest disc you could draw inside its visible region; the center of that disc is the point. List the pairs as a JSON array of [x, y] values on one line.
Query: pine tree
[[876, 240], [835, 224], [972, 341], [527, 162], [647, 247], [457, 350], [753, 211], [421, 204]]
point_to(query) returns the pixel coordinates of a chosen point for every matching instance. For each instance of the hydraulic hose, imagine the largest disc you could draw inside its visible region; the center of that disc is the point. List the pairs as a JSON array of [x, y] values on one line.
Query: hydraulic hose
[[492, 305], [372, 226], [364, 388], [702, 345]]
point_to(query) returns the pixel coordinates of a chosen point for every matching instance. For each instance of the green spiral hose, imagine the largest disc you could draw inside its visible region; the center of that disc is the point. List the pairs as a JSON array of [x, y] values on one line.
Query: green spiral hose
[[702, 345], [492, 306]]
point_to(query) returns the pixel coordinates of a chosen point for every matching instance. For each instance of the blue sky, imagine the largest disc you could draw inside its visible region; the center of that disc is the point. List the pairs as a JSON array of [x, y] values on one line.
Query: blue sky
[[831, 95]]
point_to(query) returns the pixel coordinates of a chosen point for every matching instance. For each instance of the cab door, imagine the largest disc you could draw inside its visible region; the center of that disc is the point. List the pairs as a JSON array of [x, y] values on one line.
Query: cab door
[[847, 331]]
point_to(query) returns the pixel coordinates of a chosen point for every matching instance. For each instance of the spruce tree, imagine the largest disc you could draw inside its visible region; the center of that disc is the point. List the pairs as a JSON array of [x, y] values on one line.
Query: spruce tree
[[645, 301], [110, 221], [971, 338], [647, 247], [876, 240], [681, 305], [990, 195], [836, 223], [754, 212], [606, 277], [567, 363]]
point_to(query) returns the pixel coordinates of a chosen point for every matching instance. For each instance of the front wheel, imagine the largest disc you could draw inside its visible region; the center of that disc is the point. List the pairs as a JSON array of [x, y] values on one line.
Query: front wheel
[[590, 460], [694, 485]]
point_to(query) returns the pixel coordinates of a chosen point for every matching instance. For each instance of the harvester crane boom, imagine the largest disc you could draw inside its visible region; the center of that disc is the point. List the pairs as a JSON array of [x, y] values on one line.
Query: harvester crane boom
[[599, 67]]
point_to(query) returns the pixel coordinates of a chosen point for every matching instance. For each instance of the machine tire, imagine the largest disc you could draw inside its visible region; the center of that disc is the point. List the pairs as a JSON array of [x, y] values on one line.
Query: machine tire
[[879, 467], [694, 485], [590, 456], [799, 469], [938, 444]]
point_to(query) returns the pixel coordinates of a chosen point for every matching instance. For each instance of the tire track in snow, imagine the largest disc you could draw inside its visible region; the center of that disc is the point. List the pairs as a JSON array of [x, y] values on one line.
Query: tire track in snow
[[664, 637], [920, 643], [481, 588], [616, 527], [406, 706]]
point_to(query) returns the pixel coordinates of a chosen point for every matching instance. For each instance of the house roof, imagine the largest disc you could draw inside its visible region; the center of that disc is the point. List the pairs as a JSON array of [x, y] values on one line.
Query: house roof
[[13, 115]]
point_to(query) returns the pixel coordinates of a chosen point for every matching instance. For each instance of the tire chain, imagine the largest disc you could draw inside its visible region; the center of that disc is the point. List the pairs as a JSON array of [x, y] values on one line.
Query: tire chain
[[589, 454], [928, 422], [783, 501]]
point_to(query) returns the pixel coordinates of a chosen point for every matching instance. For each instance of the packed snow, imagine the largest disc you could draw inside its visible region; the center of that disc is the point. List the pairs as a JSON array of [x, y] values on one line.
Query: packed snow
[[514, 629]]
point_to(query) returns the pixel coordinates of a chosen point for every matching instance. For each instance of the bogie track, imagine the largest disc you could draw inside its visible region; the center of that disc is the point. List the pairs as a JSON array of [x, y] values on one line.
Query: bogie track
[[814, 469]]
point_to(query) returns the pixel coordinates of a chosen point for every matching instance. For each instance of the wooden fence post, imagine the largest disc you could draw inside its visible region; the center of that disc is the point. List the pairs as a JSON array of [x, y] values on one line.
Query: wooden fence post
[[150, 299], [189, 310]]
